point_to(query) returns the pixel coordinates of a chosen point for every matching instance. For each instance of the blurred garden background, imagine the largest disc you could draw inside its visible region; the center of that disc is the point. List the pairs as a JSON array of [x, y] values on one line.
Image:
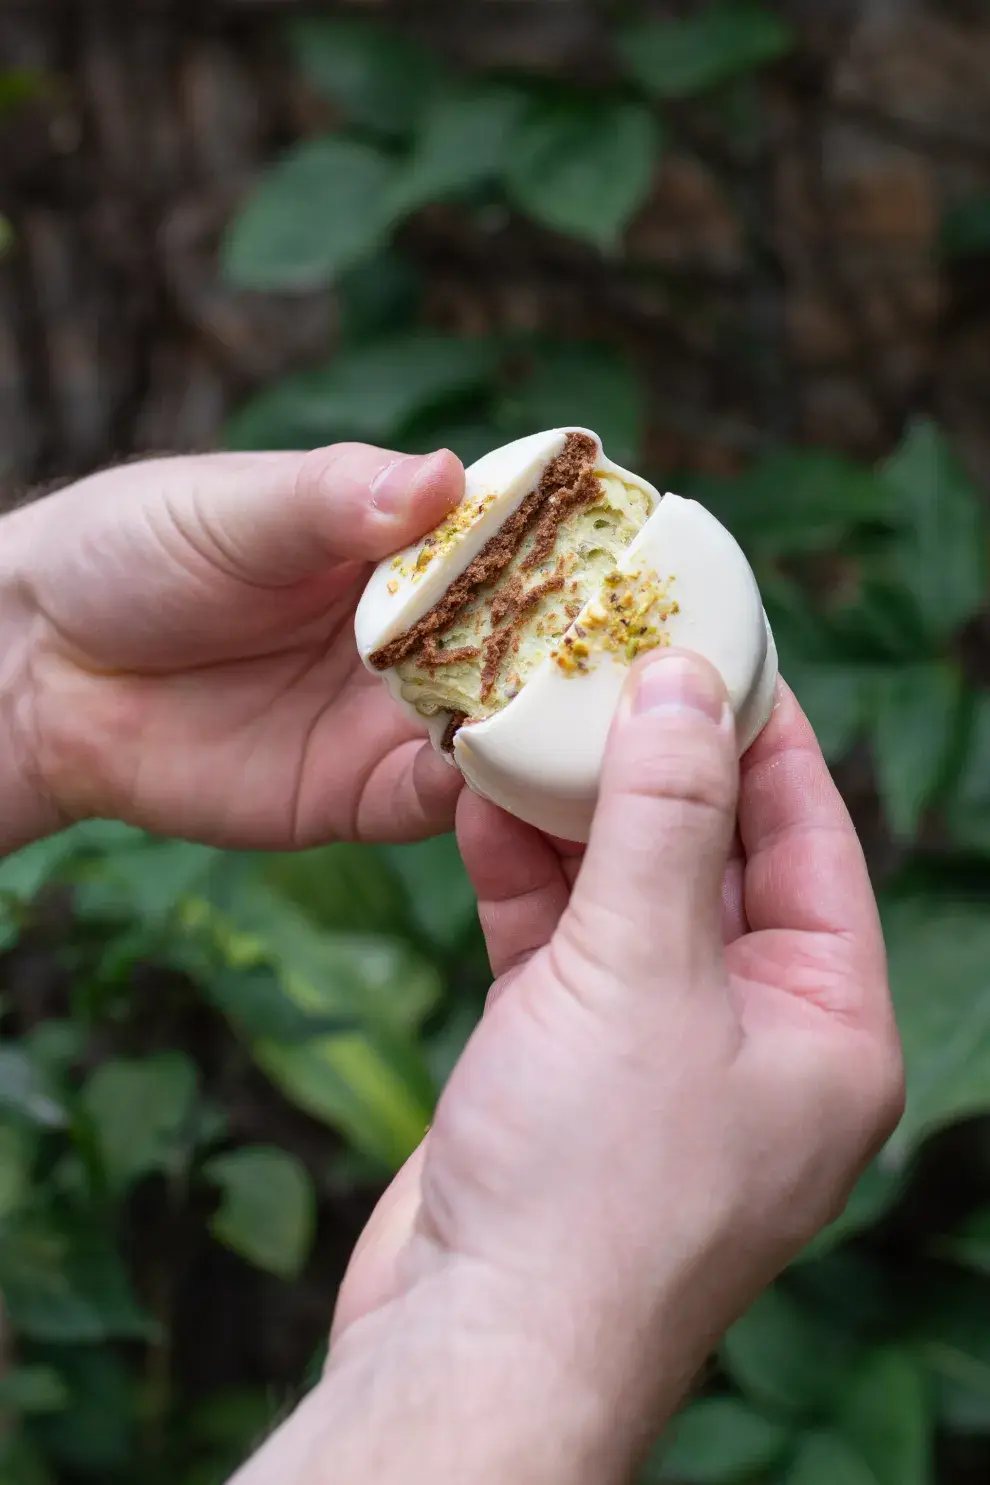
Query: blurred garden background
[[748, 243]]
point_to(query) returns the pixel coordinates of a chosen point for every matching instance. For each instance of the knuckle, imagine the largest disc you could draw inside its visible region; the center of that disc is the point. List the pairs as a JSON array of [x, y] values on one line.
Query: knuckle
[[318, 472]]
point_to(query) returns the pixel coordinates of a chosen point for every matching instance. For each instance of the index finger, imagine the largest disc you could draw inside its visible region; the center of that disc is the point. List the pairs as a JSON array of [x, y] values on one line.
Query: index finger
[[805, 868]]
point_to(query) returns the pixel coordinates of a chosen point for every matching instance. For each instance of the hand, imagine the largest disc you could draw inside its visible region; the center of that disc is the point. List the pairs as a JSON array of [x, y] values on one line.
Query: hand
[[179, 649], [688, 1057]]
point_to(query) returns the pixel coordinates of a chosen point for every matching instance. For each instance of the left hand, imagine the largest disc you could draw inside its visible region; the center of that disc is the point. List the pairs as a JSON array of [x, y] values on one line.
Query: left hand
[[179, 654]]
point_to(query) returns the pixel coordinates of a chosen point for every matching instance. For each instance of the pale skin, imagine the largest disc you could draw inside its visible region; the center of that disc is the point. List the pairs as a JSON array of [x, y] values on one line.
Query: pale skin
[[688, 1054]]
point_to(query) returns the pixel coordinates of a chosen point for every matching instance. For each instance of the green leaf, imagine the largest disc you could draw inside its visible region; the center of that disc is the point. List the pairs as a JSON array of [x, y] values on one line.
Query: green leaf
[[785, 1356], [836, 699], [377, 297], [137, 1109], [94, 1434], [584, 385], [146, 880], [374, 1085], [259, 1008], [441, 898], [955, 1343], [968, 806], [886, 1415], [376, 1092], [21, 1462], [33, 1389], [342, 887], [718, 1441], [23, 874], [369, 392], [917, 724], [463, 142], [268, 1212], [584, 169], [681, 58], [314, 214], [969, 1244], [825, 1458], [792, 500], [63, 1284], [25, 1090], [16, 1152], [939, 962], [941, 556], [378, 79], [966, 228]]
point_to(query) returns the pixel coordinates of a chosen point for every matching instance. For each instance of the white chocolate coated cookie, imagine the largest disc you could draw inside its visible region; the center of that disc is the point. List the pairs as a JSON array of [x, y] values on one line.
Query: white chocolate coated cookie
[[509, 631]]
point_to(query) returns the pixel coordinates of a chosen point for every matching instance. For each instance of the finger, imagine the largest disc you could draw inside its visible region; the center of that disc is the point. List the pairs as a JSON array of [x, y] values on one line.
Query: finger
[[805, 866], [272, 520], [648, 898], [521, 886], [386, 784]]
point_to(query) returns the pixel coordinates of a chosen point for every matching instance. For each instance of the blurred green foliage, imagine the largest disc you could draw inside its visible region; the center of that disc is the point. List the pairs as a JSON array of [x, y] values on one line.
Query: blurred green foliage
[[345, 981]]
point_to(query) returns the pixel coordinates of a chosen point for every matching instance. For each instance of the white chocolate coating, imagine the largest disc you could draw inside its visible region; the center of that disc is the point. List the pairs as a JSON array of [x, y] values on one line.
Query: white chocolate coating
[[540, 756]]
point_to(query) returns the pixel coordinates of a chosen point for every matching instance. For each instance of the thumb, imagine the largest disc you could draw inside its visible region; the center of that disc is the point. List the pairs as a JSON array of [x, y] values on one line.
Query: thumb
[[648, 898], [275, 518]]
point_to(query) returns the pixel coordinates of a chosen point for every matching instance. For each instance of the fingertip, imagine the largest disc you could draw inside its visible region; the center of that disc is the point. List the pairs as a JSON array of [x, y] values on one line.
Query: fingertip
[[435, 485]]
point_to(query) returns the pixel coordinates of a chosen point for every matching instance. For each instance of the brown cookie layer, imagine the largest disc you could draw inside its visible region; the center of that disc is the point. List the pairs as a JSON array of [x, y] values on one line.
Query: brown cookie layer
[[567, 482]]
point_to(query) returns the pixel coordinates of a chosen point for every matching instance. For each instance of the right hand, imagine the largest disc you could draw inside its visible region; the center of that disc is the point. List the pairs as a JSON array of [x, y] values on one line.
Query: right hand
[[686, 1062]]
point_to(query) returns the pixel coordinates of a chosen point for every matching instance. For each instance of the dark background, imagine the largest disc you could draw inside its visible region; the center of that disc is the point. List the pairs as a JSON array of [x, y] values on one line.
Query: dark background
[[790, 317]]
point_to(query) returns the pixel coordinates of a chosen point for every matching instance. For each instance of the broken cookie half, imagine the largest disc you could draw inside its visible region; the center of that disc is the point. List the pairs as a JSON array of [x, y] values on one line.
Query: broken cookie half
[[509, 629]]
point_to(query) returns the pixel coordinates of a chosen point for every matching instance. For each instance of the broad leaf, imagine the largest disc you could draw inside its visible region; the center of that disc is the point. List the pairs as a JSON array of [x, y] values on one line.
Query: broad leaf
[[836, 699], [464, 142], [968, 805], [796, 500], [918, 719], [584, 169], [66, 1285], [443, 902], [969, 1244], [377, 297], [377, 78], [268, 1211], [17, 1146], [786, 1356], [315, 213], [23, 874], [369, 392], [93, 1436], [377, 1093], [954, 1338], [33, 1389], [341, 887], [136, 1109], [260, 1008], [146, 880], [680, 58], [26, 1091], [826, 1458], [373, 1085], [886, 1415], [939, 958], [585, 385], [717, 1441], [941, 555]]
